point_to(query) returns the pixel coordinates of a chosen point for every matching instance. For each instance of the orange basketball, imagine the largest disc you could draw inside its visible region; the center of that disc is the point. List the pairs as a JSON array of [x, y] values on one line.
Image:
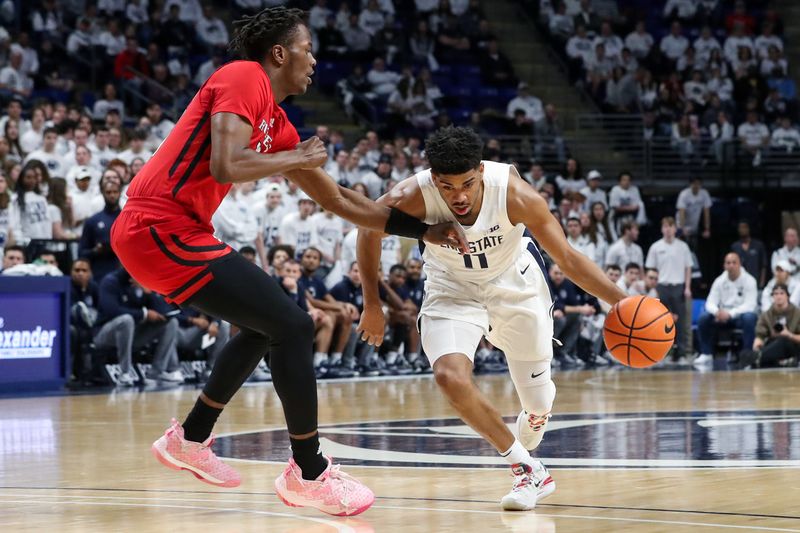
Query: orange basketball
[[639, 331]]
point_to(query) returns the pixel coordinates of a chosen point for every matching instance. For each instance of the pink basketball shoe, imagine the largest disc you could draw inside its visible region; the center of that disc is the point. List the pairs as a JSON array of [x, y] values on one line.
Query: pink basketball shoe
[[333, 492], [177, 453]]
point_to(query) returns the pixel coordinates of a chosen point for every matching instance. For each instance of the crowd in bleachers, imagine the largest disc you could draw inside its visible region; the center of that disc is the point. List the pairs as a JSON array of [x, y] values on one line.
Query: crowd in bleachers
[[64, 170], [707, 76]]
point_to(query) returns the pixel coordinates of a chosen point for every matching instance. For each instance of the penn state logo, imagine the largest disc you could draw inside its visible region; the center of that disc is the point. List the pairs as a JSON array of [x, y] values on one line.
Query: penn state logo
[[693, 439]]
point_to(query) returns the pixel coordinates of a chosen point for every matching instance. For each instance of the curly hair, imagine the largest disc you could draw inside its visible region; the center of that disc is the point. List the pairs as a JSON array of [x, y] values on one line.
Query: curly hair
[[254, 36], [452, 150]]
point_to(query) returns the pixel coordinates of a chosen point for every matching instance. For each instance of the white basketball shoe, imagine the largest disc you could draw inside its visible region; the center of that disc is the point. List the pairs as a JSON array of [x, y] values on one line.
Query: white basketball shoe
[[531, 428], [531, 485]]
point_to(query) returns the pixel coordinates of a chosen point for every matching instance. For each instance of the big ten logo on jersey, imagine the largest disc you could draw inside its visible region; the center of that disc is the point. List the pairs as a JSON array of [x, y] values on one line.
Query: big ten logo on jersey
[[266, 143]]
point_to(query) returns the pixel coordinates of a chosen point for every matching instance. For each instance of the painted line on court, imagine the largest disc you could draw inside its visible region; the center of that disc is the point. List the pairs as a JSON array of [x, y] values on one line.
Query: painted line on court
[[55, 500], [331, 523], [402, 498]]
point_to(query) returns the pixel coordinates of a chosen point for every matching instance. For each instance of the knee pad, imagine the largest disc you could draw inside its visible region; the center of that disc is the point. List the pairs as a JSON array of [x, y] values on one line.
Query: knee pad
[[534, 385]]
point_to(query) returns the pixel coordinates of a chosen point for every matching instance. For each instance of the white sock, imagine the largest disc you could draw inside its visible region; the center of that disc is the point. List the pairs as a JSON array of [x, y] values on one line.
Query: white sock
[[518, 454], [336, 358], [319, 358]]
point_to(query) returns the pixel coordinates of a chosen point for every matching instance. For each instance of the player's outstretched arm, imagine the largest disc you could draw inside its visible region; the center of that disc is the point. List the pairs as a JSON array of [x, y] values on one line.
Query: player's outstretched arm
[[407, 197], [365, 213], [527, 207]]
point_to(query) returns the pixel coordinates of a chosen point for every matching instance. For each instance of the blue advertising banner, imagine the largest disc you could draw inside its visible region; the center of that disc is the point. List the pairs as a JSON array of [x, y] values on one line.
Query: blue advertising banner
[[34, 332]]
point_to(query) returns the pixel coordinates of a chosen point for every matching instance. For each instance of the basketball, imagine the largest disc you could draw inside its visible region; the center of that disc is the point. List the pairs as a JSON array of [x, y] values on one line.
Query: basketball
[[639, 331]]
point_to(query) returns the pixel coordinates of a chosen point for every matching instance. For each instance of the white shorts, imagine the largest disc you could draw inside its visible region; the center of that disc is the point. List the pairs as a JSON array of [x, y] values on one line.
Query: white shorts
[[513, 311]]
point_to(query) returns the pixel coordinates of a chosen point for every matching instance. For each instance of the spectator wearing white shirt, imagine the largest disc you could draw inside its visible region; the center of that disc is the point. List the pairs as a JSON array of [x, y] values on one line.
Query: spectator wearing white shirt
[[599, 68], [580, 241], [337, 168], [612, 43], [720, 85], [626, 202], [30, 57], [205, 70], [457, 7], [754, 136], [738, 39], [12, 77], [570, 179], [731, 303], [234, 221], [790, 252], [136, 12], [593, 192], [34, 213], [357, 40], [81, 38], [696, 89], [318, 15], [785, 138], [136, 148], [673, 260], [529, 104], [774, 65], [112, 39], [705, 44], [694, 205], [48, 154], [639, 42], [109, 101], [111, 7], [782, 274], [80, 139], [160, 126], [579, 46], [85, 200], [102, 153], [190, 10], [682, 9], [383, 81], [269, 216], [766, 40], [722, 135], [32, 139], [327, 236], [561, 25], [674, 44], [83, 166], [625, 250], [14, 113], [372, 19], [210, 29], [296, 228]]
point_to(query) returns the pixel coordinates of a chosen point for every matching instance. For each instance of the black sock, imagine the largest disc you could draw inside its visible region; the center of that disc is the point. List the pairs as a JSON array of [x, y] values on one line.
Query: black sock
[[308, 457], [200, 421]]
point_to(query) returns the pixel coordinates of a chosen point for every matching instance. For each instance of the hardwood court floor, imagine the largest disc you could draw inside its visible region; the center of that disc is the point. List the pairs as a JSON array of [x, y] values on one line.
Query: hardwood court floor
[[629, 450]]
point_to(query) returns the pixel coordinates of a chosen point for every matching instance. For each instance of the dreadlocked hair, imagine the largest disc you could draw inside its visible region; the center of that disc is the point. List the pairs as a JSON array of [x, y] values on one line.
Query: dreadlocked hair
[[254, 36]]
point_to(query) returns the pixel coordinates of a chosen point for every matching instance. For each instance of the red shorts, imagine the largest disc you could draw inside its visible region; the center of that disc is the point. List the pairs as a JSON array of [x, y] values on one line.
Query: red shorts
[[165, 249]]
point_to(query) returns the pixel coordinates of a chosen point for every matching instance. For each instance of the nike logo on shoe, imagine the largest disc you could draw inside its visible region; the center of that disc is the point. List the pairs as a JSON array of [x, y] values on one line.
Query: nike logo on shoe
[[526, 269], [534, 376]]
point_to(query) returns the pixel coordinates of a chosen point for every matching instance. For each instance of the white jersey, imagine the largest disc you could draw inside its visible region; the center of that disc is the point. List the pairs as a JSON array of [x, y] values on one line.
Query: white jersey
[[494, 242]]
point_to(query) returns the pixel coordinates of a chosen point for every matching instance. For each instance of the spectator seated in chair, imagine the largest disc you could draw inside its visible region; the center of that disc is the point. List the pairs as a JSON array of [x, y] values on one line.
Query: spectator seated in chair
[[731, 304], [777, 333]]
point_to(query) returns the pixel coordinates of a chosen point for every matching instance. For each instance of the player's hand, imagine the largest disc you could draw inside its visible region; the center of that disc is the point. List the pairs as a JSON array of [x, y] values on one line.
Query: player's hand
[[687, 293], [448, 233], [155, 316], [312, 153], [558, 313], [371, 326], [213, 329], [200, 322]]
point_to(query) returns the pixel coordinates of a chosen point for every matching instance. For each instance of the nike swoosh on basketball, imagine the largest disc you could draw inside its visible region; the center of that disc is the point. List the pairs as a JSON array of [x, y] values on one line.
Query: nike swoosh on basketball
[[668, 329], [534, 376], [526, 269]]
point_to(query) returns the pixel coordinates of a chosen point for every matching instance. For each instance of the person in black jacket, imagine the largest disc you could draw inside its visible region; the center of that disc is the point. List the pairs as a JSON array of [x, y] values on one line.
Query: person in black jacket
[[95, 244], [130, 316], [569, 305], [85, 295]]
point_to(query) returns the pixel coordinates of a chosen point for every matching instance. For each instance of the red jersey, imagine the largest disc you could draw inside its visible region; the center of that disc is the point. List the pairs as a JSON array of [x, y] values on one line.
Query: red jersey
[[179, 171]]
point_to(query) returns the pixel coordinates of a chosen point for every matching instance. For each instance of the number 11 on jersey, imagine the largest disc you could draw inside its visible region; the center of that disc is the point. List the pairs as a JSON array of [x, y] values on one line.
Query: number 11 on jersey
[[469, 261]]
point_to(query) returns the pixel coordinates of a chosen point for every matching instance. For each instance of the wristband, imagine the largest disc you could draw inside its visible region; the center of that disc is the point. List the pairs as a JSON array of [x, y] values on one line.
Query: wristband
[[404, 225]]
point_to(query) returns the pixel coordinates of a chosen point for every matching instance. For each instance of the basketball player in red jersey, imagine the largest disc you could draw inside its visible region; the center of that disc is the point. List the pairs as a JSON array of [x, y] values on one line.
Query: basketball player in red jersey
[[234, 131]]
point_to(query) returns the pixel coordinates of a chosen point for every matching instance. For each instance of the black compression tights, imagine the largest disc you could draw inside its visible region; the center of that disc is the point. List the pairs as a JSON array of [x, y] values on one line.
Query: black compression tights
[[246, 296]]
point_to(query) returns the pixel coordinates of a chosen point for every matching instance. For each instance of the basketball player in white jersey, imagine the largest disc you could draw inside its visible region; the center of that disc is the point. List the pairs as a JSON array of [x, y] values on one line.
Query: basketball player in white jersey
[[498, 290]]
